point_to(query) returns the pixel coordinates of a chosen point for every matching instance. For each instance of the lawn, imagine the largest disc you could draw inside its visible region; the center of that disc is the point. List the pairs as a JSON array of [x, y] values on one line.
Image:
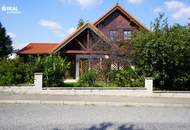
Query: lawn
[[98, 84]]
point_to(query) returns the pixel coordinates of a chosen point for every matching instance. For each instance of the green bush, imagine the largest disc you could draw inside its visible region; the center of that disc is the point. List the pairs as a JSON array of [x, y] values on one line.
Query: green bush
[[88, 79], [15, 72], [164, 53], [126, 78], [53, 68]]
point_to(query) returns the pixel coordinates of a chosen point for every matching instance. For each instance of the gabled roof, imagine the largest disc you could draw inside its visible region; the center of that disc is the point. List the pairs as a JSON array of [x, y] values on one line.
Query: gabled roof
[[38, 48], [48, 48], [77, 32], [126, 13]]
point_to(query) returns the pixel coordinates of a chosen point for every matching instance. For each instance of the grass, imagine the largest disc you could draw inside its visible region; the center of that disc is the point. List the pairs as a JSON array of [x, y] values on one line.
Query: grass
[[98, 84], [73, 84]]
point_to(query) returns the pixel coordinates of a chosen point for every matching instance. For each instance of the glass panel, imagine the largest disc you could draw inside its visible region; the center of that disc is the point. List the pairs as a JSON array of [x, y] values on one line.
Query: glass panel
[[113, 35], [127, 34]]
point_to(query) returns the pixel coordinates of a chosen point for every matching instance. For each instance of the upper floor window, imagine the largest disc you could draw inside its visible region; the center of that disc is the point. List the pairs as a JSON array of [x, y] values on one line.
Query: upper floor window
[[114, 35], [127, 34]]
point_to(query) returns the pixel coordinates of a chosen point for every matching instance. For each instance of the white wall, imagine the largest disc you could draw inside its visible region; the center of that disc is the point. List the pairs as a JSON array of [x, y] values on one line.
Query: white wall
[[29, 88]]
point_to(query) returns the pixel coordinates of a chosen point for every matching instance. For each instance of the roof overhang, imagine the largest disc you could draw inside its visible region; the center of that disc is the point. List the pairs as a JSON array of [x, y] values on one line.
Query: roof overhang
[[77, 32], [126, 13]]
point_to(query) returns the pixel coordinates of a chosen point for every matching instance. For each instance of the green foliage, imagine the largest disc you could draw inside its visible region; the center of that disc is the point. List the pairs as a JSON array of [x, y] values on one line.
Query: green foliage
[[88, 79], [80, 23], [126, 78], [53, 68], [14, 72], [164, 53], [72, 84], [5, 43]]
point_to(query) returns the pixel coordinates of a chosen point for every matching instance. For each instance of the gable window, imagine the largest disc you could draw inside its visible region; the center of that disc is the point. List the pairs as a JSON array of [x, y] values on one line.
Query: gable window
[[127, 34], [113, 34]]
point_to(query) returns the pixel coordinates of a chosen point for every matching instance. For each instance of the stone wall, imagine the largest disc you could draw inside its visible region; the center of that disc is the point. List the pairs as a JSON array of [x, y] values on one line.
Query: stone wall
[[28, 88], [38, 82]]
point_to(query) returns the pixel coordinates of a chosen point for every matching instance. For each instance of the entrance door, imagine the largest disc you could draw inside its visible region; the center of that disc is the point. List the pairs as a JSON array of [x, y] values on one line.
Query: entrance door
[[87, 62], [84, 66]]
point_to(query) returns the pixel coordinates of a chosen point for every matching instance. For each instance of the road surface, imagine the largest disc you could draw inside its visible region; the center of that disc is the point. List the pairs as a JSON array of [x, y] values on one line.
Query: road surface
[[92, 117]]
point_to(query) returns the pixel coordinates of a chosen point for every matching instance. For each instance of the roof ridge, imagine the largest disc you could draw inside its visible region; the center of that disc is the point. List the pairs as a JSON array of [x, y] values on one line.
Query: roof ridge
[[70, 35], [99, 32], [107, 11], [125, 11], [37, 48], [88, 24], [43, 43]]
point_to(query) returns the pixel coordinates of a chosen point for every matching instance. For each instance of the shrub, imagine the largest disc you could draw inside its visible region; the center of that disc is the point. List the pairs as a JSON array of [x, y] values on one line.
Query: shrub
[[88, 79], [14, 72], [53, 68], [126, 78], [163, 53]]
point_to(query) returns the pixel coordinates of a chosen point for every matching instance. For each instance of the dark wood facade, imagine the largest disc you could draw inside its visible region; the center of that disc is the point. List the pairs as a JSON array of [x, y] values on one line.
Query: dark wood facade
[[95, 39], [117, 21]]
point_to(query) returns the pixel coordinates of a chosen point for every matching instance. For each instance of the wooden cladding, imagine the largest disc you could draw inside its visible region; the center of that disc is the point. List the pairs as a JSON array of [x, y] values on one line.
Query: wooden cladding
[[117, 26]]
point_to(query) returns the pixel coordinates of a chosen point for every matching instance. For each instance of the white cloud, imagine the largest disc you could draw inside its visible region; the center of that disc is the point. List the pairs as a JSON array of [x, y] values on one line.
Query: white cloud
[[89, 3], [84, 4], [52, 25], [183, 13], [12, 35], [174, 4], [177, 9], [158, 10], [71, 30], [55, 27], [135, 1]]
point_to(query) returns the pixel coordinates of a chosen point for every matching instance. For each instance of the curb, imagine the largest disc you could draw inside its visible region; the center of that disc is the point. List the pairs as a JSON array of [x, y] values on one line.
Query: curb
[[127, 104]]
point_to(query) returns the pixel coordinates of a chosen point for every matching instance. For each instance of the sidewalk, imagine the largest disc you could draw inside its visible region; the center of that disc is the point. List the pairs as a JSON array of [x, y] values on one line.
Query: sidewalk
[[94, 100]]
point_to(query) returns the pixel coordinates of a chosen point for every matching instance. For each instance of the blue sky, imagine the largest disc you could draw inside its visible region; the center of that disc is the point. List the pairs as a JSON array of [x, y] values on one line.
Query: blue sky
[[52, 20]]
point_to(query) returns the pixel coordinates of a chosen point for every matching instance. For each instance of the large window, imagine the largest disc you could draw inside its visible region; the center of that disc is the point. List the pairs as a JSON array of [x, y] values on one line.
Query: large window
[[127, 34], [114, 36]]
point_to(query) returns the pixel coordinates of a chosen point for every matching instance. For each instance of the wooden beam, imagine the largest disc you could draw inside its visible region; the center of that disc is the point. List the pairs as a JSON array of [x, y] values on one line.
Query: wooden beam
[[81, 44], [74, 51], [95, 44], [129, 22], [85, 52], [88, 39]]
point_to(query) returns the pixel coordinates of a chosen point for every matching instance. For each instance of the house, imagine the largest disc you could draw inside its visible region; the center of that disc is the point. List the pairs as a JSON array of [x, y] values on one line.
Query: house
[[13, 54], [90, 41]]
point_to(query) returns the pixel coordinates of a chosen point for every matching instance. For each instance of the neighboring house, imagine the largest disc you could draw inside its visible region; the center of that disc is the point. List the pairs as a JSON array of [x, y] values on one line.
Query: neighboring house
[[13, 54], [90, 41]]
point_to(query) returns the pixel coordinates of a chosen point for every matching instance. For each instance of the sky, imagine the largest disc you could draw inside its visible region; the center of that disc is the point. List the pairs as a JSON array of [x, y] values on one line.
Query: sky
[[29, 21]]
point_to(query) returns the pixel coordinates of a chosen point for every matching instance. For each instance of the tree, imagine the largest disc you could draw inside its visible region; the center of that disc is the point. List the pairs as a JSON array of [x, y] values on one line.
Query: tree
[[80, 23], [164, 53], [5, 43]]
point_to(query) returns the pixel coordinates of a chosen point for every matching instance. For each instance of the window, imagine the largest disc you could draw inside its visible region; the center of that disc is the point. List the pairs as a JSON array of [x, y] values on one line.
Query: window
[[127, 34], [114, 36]]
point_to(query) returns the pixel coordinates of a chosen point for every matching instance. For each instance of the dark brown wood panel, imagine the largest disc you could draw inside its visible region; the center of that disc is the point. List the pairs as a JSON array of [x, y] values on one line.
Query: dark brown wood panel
[[119, 22]]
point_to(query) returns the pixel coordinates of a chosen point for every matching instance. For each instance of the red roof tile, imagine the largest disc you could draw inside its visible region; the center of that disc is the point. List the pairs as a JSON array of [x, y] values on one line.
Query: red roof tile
[[38, 48]]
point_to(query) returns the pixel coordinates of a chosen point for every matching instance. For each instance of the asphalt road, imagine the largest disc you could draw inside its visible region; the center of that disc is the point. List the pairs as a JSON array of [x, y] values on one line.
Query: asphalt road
[[63, 117]]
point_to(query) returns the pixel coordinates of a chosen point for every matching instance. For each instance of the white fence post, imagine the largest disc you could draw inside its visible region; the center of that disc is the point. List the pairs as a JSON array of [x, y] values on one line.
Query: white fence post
[[38, 80], [77, 68], [149, 84]]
